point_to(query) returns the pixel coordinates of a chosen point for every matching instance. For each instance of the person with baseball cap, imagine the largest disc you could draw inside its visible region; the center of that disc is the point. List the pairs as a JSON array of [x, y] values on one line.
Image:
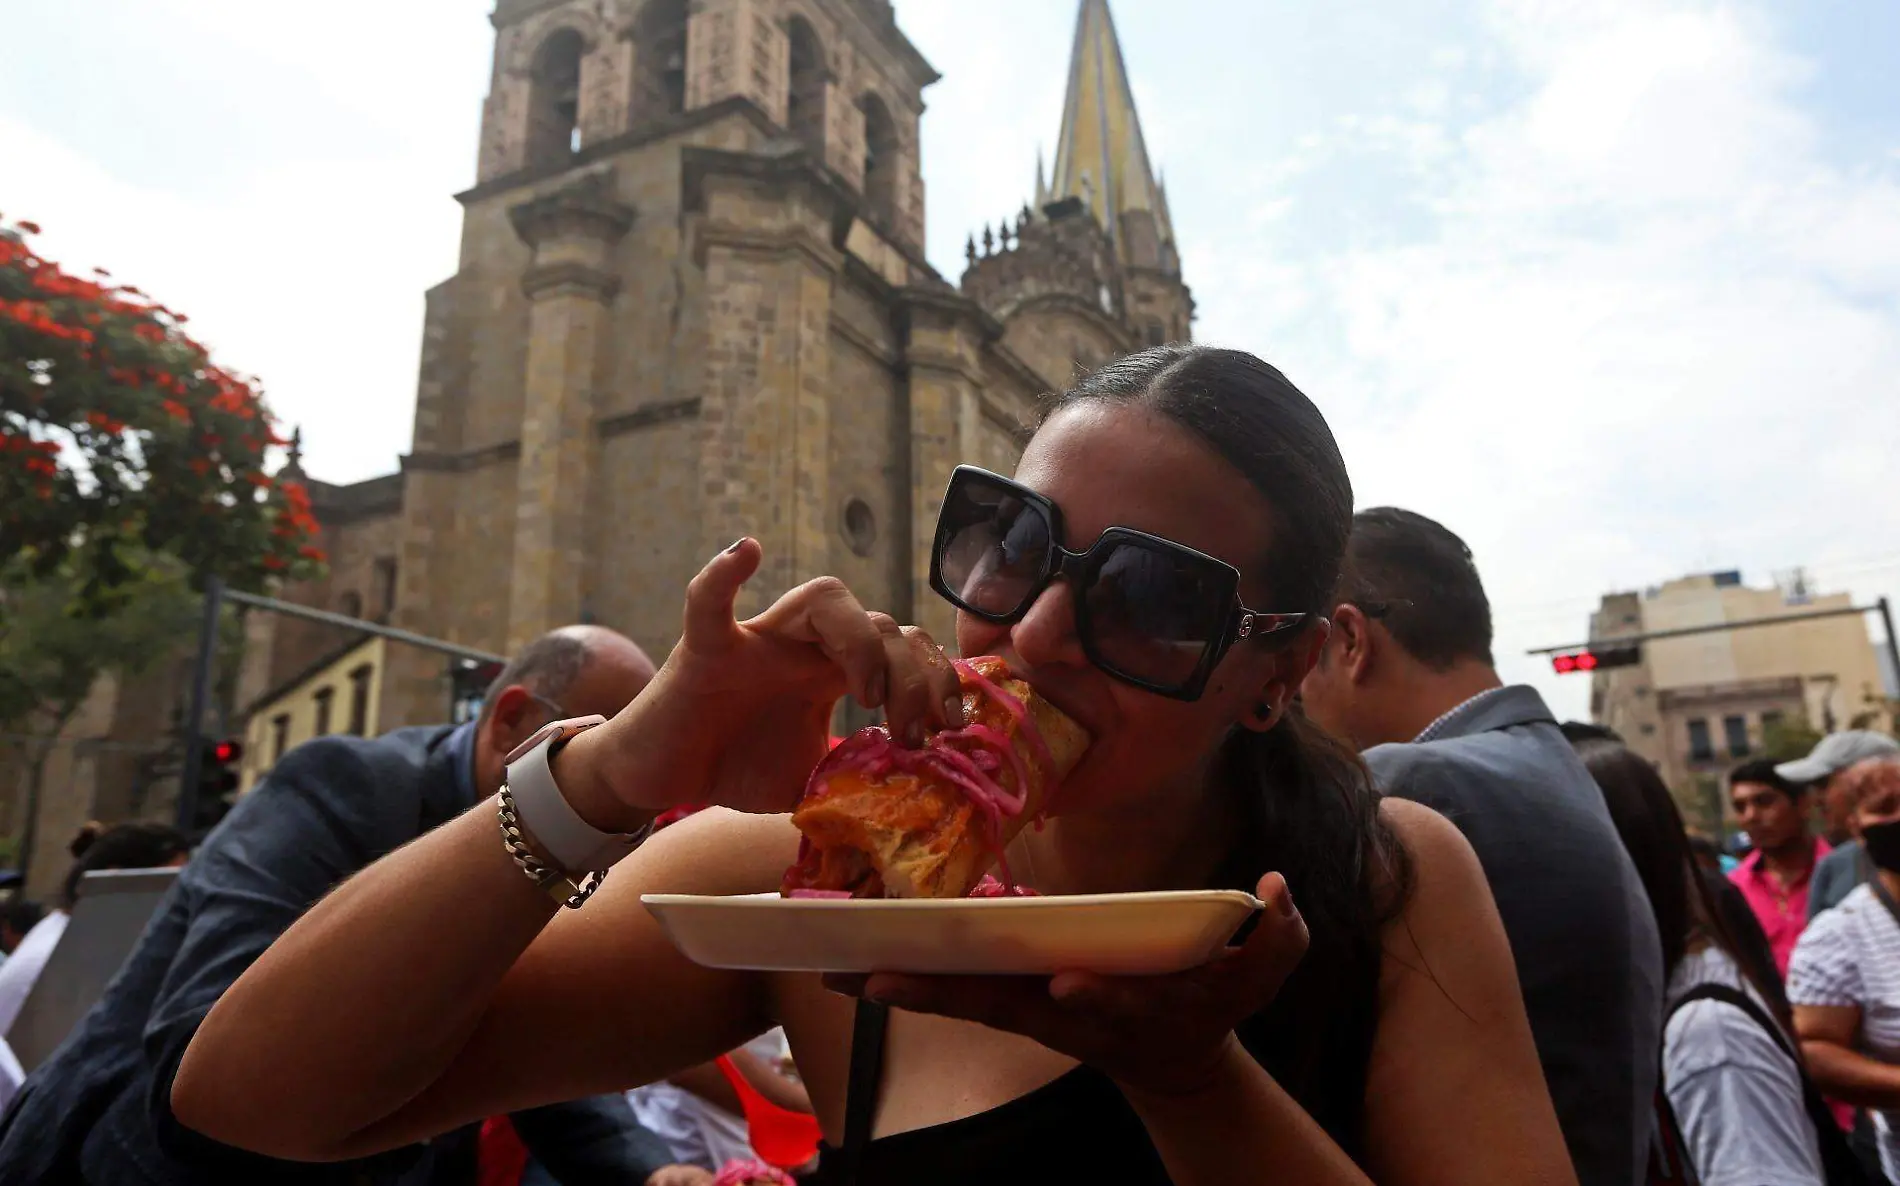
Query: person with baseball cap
[[1836, 874]]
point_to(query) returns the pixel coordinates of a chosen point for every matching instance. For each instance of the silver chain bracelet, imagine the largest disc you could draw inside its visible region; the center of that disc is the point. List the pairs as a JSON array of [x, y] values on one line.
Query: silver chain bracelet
[[556, 883]]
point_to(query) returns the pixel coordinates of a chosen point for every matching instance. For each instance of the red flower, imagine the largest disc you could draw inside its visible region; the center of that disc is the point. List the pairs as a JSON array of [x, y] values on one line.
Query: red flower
[[175, 410], [31, 228], [261, 481]]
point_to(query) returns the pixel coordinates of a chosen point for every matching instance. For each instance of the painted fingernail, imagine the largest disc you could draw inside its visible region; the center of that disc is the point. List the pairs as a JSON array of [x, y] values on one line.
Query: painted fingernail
[[953, 711], [736, 545], [914, 734]]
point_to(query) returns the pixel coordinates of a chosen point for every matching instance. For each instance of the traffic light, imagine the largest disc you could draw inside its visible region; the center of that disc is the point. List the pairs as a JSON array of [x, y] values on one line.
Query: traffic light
[[1597, 659], [217, 781]]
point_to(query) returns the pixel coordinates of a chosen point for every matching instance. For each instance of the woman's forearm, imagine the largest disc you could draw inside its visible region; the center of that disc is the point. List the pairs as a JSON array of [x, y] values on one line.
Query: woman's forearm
[[1850, 1076], [414, 945], [1242, 1127]]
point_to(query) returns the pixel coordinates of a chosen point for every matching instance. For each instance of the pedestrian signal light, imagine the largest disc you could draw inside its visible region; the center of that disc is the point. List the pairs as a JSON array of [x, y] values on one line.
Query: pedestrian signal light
[[217, 781], [1596, 659]]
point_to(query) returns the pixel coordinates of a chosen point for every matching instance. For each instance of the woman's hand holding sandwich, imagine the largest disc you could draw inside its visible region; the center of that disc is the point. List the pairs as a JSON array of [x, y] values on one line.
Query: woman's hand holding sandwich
[[740, 712]]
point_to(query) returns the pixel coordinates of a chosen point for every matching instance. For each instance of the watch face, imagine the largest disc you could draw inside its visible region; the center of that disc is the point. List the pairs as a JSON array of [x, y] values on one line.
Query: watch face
[[559, 730]]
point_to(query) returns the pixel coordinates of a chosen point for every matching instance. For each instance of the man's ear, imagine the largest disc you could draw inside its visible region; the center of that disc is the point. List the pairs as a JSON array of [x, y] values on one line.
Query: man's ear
[[1353, 641], [512, 717], [1290, 669]]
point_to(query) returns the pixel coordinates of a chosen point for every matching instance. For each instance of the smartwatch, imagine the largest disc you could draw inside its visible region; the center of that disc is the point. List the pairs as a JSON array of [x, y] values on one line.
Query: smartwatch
[[575, 846]]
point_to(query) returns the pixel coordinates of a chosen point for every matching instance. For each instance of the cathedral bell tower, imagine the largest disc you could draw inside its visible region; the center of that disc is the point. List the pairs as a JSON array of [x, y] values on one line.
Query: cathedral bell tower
[[1091, 269]]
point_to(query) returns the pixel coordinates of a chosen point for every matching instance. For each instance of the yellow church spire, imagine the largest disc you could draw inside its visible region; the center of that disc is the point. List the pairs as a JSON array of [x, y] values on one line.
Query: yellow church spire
[[1101, 157]]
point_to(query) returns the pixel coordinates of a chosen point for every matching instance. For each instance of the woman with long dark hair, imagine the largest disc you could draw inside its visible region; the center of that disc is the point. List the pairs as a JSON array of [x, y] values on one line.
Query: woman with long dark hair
[[1375, 1031], [1737, 1090]]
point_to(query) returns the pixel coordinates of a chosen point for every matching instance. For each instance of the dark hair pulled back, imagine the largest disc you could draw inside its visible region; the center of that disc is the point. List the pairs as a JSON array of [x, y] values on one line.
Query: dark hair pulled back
[[1651, 827], [122, 846], [1314, 812]]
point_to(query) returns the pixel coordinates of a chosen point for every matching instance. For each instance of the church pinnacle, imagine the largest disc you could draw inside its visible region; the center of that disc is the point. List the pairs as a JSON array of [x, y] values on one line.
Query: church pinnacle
[[1101, 157]]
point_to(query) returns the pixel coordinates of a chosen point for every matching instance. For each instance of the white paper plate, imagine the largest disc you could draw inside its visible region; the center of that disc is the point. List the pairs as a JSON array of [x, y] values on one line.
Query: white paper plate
[[1133, 934]]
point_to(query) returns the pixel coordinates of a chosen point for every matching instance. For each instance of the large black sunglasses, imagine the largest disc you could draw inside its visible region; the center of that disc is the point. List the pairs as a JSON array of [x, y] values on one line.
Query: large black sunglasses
[[1150, 612]]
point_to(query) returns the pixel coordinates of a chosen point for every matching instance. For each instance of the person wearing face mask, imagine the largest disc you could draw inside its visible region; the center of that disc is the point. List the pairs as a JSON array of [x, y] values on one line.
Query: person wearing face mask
[[1837, 873], [1368, 1026], [1844, 977]]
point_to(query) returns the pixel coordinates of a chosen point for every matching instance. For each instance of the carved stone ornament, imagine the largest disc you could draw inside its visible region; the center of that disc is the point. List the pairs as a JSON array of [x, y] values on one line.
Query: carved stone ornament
[[589, 208]]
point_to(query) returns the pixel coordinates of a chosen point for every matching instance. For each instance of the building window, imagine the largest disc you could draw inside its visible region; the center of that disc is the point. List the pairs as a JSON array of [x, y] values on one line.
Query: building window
[[554, 99], [659, 38], [1647, 729], [350, 605], [880, 162], [1157, 336], [385, 589], [1735, 733], [279, 735], [325, 700], [805, 102], [859, 527], [1699, 748], [1770, 720], [359, 699]]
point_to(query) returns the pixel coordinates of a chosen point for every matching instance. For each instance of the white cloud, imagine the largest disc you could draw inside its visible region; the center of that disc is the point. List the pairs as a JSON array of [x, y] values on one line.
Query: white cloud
[[1649, 330], [303, 265]]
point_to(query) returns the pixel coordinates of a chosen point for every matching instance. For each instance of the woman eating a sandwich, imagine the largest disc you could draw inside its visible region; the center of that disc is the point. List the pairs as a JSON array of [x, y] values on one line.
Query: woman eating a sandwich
[[1147, 593]]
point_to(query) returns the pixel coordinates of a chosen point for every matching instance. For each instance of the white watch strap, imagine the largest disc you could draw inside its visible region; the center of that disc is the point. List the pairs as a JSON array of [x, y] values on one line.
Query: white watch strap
[[569, 841]]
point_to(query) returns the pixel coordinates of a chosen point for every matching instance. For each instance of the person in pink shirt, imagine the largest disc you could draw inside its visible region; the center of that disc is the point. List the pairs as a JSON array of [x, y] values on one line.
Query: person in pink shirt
[[1774, 877]]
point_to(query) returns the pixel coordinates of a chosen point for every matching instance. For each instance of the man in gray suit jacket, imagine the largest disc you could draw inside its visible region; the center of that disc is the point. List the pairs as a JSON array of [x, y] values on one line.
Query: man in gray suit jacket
[[1407, 677]]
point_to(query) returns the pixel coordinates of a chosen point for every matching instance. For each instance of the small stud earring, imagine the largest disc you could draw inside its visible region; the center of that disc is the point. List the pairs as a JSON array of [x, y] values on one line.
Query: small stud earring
[[1263, 710]]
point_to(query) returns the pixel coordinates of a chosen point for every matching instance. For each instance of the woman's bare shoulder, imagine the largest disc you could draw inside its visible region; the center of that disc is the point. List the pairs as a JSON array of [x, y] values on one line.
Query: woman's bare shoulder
[[1448, 917]]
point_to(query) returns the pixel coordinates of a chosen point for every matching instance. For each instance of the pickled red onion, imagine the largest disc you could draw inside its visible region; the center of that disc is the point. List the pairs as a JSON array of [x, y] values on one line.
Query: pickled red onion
[[1014, 707]]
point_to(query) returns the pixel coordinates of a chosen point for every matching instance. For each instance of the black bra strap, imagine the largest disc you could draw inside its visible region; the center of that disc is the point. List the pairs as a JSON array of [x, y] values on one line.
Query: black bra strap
[[860, 1100]]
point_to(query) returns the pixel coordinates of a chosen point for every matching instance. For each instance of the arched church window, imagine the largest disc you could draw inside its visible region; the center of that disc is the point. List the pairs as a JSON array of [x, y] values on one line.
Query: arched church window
[[659, 38], [805, 103], [880, 161], [554, 99], [1157, 334]]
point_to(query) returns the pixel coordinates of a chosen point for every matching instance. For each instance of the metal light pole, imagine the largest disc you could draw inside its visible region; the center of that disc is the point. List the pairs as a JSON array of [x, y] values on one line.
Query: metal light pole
[[1893, 646], [200, 696]]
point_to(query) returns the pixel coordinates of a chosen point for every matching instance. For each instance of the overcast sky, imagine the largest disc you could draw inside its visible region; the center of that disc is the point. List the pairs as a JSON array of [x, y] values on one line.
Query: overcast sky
[[1612, 289]]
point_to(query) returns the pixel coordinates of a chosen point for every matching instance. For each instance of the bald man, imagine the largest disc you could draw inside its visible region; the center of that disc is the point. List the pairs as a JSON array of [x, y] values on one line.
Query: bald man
[[98, 1112]]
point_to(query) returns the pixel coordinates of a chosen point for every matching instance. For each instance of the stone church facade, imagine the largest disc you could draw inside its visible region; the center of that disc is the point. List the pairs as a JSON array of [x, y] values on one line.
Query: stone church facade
[[692, 305]]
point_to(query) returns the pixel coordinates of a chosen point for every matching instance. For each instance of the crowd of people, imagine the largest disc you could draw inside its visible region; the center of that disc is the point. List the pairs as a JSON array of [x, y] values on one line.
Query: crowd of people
[[1491, 951]]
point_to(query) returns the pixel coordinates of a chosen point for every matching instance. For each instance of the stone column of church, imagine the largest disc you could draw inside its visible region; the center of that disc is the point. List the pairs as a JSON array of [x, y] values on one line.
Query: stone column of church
[[944, 355], [766, 420], [416, 689], [735, 47], [766, 416], [571, 285]]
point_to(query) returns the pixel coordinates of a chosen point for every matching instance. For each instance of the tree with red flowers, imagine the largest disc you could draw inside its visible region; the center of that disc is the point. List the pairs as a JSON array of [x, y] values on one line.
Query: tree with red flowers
[[120, 436], [131, 465]]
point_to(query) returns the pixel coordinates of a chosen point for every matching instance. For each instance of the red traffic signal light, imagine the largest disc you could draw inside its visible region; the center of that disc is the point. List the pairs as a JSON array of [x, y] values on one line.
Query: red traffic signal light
[[1596, 659], [227, 751]]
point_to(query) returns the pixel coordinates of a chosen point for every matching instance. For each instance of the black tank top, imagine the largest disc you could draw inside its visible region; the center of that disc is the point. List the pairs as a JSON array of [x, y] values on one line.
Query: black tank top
[[1079, 1128]]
